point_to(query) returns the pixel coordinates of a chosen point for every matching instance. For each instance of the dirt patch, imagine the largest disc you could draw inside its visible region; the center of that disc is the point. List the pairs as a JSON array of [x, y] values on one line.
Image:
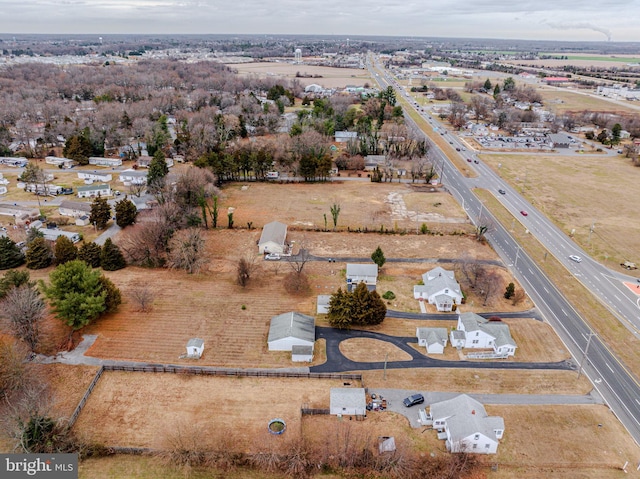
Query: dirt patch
[[364, 349]]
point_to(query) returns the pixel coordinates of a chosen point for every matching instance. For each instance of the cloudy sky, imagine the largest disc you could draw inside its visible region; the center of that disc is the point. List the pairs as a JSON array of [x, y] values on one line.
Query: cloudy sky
[[579, 20]]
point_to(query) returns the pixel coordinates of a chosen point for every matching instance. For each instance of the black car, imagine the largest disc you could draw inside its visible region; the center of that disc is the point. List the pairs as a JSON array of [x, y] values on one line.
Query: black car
[[502, 192], [413, 400]]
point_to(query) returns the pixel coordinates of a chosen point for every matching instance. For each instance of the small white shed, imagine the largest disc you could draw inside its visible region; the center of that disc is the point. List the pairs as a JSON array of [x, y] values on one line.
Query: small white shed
[[195, 348], [348, 402], [301, 354]]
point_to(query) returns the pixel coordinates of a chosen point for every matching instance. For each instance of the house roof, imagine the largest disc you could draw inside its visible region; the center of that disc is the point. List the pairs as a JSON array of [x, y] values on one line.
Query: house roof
[[347, 398], [466, 416], [93, 187], [76, 205], [294, 325], [362, 269], [274, 231], [133, 173], [437, 280], [195, 343], [301, 350], [432, 335], [499, 330]]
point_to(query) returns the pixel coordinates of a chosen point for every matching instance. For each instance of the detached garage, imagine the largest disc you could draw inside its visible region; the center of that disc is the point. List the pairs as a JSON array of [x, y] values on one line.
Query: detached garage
[[291, 329], [273, 238]]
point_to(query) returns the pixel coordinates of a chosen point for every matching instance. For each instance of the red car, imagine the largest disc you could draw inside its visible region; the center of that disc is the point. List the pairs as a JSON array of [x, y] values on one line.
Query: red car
[[469, 160], [524, 213]]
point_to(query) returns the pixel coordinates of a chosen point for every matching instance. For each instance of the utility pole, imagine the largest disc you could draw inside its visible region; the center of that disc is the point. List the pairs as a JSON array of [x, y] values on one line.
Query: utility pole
[[586, 350]]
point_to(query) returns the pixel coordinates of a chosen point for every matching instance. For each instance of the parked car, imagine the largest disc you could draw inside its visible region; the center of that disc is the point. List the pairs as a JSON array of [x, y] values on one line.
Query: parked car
[[67, 191], [575, 258], [502, 192], [413, 400], [272, 257], [524, 213]]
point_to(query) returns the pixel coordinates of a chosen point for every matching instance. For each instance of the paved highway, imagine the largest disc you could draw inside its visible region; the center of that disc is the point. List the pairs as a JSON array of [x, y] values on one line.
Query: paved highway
[[612, 379]]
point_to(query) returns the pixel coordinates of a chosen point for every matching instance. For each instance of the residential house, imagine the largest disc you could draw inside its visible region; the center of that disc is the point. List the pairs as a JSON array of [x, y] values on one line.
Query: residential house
[[362, 273], [345, 136], [434, 339], [107, 162], [75, 209], [60, 162], [21, 214], [273, 238], [91, 191], [16, 162], [439, 288], [371, 162], [291, 329], [560, 140], [94, 176], [145, 161], [54, 234], [348, 402], [465, 425], [474, 331], [133, 177]]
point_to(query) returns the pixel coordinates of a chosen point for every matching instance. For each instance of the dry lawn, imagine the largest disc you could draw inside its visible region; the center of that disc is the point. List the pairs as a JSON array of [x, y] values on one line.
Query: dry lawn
[[576, 191], [328, 77], [238, 407]]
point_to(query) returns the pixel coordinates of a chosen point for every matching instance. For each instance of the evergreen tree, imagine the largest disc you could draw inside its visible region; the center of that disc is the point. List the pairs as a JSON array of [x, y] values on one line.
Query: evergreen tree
[[113, 297], [76, 294], [339, 314], [100, 212], [126, 213], [496, 90], [13, 279], [510, 291], [378, 257], [64, 250], [79, 148], [90, 253], [158, 169], [10, 254], [33, 233], [487, 85], [39, 254], [360, 307], [111, 258]]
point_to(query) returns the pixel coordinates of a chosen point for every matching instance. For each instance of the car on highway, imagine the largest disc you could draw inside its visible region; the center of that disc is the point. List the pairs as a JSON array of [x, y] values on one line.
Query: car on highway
[[413, 400], [272, 257], [476, 162], [575, 258], [457, 149], [502, 192], [524, 213], [469, 160]]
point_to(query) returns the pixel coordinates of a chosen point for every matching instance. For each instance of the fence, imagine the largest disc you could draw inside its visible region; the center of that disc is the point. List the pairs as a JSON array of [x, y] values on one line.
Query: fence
[[486, 356], [307, 411], [83, 401], [205, 372]]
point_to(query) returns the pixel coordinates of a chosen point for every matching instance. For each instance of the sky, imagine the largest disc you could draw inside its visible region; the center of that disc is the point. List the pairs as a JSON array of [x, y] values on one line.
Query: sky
[[571, 20]]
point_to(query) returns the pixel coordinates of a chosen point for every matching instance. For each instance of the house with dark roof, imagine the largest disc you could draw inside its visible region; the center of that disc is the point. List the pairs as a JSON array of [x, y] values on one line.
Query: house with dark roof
[[273, 238], [439, 288], [291, 329], [474, 331], [465, 425]]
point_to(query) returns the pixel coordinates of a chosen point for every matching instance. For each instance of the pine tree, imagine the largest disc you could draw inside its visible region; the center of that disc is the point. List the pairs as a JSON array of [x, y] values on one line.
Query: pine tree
[[158, 169], [100, 212], [112, 298], [64, 250], [126, 213], [90, 253], [339, 314], [10, 254], [510, 291], [378, 257], [111, 258], [39, 254]]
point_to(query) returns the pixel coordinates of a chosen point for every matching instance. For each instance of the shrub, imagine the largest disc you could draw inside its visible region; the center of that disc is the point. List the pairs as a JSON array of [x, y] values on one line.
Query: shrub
[[389, 296]]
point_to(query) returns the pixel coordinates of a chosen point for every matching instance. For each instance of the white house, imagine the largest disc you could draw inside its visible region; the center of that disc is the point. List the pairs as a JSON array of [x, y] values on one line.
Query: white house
[[362, 273], [76, 209], [133, 177], [466, 426], [54, 234], [91, 191], [108, 162], [94, 176], [474, 331], [291, 329], [440, 288], [434, 339], [145, 161], [348, 402], [60, 161], [20, 214], [345, 136], [195, 348], [273, 238]]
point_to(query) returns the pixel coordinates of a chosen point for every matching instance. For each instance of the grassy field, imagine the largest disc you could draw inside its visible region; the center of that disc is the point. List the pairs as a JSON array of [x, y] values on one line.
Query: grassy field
[[563, 101]]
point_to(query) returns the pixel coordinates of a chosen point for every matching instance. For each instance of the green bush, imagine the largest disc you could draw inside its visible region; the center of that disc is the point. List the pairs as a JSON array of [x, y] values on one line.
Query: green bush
[[389, 296]]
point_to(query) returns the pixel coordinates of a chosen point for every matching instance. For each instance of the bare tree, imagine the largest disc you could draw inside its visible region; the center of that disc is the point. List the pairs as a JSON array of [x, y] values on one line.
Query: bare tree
[[470, 270], [518, 297], [247, 265], [24, 309], [143, 297], [187, 251], [488, 284]]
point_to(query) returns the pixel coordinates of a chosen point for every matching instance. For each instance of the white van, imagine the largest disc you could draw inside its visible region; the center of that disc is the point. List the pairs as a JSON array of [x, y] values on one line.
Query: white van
[[272, 175]]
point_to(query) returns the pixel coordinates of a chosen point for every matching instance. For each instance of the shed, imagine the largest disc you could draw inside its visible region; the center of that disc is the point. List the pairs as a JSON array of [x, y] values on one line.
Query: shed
[[386, 444], [348, 401], [82, 221], [301, 354], [323, 303], [291, 329], [195, 348], [273, 238]]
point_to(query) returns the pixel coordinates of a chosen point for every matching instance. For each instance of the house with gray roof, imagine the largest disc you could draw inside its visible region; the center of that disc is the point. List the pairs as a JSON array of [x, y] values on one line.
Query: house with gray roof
[[366, 273], [439, 288], [76, 209], [474, 331], [434, 339], [273, 238], [345, 136], [291, 329], [465, 425], [348, 402], [91, 191]]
